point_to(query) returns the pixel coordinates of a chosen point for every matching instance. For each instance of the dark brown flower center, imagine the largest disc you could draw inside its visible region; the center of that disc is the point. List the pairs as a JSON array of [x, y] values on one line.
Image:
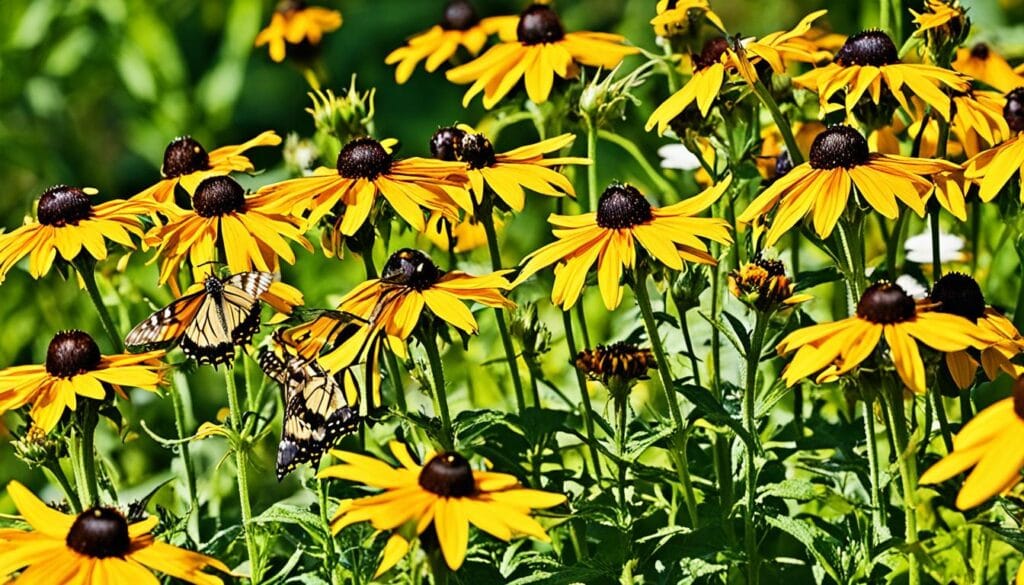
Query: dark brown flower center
[[838, 146], [448, 475], [871, 47], [980, 51], [1013, 111], [884, 303], [412, 268], [446, 143], [959, 294], [459, 15], [218, 196], [773, 266], [71, 353], [184, 156], [61, 205], [477, 151], [539, 24], [100, 533], [711, 53], [621, 207], [363, 158]]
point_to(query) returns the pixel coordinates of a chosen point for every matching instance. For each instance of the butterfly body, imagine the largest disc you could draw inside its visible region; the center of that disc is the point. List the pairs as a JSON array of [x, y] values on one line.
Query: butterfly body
[[319, 408], [210, 323]]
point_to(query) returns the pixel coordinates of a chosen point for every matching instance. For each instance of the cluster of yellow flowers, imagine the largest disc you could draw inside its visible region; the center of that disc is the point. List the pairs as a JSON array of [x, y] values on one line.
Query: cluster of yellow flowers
[[881, 130]]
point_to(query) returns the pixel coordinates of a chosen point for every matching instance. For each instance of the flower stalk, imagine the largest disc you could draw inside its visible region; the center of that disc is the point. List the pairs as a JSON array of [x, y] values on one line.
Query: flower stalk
[[241, 465]]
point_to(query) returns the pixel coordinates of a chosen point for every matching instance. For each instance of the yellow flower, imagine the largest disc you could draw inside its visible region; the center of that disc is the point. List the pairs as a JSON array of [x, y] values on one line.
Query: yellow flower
[[992, 169], [223, 218], [959, 294], [868, 66], [293, 23], [469, 234], [763, 285], [885, 309], [68, 223], [410, 282], [839, 160], [460, 26], [365, 170], [676, 17], [542, 50], [187, 163], [990, 443], [984, 64], [446, 493], [943, 24], [506, 173], [96, 547], [717, 58], [74, 367], [609, 237]]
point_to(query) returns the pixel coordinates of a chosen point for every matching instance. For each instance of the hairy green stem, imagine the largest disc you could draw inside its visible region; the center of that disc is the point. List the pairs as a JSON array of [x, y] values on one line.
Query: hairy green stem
[[668, 387], [484, 215], [593, 192], [186, 456], [750, 421], [905, 459], [588, 410], [940, 414], [241, 465], [89, 488], [55, 470], [871, 438], [429, 341], [780, 122], [86, 271]]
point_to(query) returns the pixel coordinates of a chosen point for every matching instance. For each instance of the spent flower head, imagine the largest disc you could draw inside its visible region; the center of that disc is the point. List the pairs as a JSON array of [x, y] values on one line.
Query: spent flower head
[[618, 366], [763, 285]]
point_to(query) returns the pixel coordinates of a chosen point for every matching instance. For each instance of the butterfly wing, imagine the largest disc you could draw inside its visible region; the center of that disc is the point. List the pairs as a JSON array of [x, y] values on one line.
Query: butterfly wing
[[166, 326], [317, 413], [226, 318]]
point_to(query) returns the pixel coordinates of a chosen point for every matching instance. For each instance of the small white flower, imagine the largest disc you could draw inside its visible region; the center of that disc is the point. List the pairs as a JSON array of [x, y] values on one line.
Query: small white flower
[[912, 286], [677, 156], [919, 248]]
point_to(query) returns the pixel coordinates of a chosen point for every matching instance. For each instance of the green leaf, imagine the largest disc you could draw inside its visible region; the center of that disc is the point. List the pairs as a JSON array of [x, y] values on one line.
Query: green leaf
[[823, 546], [812, 278], [282, 513], [707, 407]]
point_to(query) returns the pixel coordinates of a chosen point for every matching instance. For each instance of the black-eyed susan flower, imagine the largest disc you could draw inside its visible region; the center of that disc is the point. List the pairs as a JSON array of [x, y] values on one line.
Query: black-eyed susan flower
[[74, 367], [981, 62], [884, 310], [366, 169], [68, 224], [410, 283], [868, 66], [992, 169], [943, 25], [990, 443], [821, 187], [959, 294], [676, 17], [507, 173], [97, 547], [223, 218], [717, 58], [187, 163], [295, 23], [541, 51], [764, 286], [446, 494], [460, 26], [609, 237]]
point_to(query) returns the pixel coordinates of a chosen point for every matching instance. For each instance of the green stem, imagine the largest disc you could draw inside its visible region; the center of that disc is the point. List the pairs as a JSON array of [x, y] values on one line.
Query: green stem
[[322, 499], [621, 404], [940, 413], [484, 213], [593, 190], [780, 122], [853, 273], [750, 419], [893, 245], [53, 466], [429, 341], [588, 410], [89, 490], [871, 437], [243, 477], [897, 8], [396, 379], [934, 215], [633, 150], [908, 477], [884, 17], [689, 348], [186, 457], [85, 270], [668, 387]]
